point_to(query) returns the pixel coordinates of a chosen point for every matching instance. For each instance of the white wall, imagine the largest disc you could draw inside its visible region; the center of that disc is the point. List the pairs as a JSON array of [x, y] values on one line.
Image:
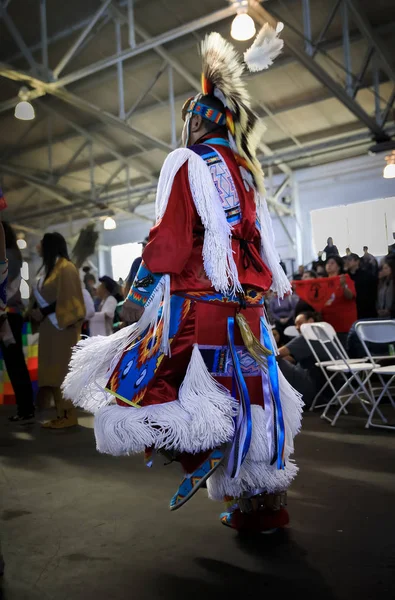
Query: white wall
[[343, 182]]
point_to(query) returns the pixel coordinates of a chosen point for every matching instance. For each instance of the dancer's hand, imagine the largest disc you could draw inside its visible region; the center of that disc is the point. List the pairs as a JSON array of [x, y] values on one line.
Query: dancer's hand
[[131, 312]]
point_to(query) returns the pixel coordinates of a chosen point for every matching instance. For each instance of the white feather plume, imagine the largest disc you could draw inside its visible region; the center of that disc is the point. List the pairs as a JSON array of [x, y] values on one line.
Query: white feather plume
[[265, 49]]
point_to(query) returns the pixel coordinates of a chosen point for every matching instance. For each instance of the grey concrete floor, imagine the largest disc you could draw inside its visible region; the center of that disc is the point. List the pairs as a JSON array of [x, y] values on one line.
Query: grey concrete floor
[[78, 525]]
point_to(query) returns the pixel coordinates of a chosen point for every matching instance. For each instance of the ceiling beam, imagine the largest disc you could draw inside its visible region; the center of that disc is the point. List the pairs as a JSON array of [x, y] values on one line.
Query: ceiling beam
[[52, 190], [81, 104], [262, 16], [74, 47], [100, 140], [362, 21], [326, 145], [150, 44]]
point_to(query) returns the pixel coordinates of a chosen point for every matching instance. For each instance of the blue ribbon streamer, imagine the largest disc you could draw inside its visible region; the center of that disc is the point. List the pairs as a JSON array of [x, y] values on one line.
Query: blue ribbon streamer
[[273, 376], [243, 423]]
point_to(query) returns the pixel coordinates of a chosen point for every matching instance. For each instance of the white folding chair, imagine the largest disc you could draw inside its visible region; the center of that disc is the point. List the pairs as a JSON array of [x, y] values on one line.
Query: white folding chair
[[379, 331], [325, 335], [310, 336]]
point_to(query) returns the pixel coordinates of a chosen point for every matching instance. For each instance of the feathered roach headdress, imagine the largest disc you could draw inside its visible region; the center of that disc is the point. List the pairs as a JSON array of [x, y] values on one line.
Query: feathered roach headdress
[[222, 77]]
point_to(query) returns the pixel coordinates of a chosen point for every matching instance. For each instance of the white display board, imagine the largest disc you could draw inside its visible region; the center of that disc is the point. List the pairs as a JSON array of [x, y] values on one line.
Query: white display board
[[370, 223], [122, 257]]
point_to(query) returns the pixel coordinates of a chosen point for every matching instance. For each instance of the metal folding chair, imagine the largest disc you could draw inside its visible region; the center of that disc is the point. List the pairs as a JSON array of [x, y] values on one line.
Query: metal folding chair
[[307, 333], [379, 331], [325, 335]]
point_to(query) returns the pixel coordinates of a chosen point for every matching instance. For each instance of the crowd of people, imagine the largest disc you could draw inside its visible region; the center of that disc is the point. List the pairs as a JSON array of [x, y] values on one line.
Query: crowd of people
[[66, 303], [338, 290], [63, 304]]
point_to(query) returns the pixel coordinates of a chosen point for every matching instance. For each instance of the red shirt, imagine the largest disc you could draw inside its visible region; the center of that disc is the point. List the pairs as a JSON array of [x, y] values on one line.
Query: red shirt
[[340, 312], [176, 242]]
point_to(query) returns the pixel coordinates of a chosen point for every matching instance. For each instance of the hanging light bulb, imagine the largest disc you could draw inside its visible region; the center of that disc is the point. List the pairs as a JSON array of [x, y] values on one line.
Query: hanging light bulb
[[243, 26], [24, 110], [22, 244], [389, 169], [109, 224]]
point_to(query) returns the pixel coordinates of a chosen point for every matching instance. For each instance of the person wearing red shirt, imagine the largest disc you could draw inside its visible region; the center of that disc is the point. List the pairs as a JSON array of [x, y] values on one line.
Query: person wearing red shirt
[[340, 309], [196, 378]]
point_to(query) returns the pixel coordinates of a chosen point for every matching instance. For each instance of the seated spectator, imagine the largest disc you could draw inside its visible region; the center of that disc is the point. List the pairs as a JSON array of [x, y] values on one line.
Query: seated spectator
[[368, 262], [330, 248], [108, 292], [297, 362], [386, 289], [365, 287], [282, 312], [341, 309], [321, 271]]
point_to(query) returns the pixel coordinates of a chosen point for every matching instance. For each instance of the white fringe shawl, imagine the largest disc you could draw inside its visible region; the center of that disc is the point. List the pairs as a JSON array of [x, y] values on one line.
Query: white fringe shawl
[[280, 284], [93, 359], [218, 259], [256, 473], [200, 419]]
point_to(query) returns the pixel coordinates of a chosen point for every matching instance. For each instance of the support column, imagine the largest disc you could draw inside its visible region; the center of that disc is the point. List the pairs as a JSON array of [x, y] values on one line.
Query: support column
[[44, 35], [121, 91], [307, 27], [132, 34], [172, 108], [346, 48]]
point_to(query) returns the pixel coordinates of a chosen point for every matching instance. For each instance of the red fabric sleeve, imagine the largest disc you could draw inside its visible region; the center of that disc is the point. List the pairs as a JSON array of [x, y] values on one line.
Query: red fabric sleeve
[[171, 240]]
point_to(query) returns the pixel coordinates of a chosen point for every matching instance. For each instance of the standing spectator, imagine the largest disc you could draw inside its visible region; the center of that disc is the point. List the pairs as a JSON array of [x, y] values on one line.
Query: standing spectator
[[365, 287], [12, 348], [369, 263], [108, 292], [330, 249], [4, 326], [299, 275], [386, 291], [341, 309], [59, 309]]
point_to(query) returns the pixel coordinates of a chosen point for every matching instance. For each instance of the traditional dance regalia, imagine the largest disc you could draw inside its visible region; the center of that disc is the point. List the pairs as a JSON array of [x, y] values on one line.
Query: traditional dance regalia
[[196, 378]]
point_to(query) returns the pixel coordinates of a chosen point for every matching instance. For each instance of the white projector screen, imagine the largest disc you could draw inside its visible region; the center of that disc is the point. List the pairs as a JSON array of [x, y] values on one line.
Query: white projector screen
[[356, 225]]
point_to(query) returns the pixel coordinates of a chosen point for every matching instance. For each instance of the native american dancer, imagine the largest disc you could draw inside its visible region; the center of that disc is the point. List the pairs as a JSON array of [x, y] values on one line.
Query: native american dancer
[[196, 376]]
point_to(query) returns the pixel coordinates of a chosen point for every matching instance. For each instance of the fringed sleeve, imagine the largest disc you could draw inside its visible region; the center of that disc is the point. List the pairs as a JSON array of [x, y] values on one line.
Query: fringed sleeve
[[171, 240]]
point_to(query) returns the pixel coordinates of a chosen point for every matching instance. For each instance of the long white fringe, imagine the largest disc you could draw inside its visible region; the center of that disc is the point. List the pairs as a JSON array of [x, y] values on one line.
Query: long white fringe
[[218, 259], [256, 471], [93, 359], [280, 284], [199, 420], [205, 400], [292, 405], [265, 49]]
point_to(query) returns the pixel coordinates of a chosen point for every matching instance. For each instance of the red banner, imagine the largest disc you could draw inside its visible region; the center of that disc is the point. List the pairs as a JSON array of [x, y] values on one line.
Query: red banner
[[317, 292]]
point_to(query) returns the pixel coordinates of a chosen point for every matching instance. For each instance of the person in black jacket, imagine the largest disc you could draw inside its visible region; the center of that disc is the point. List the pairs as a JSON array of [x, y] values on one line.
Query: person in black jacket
[[12, 349], [330, 249], [365, 287]]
